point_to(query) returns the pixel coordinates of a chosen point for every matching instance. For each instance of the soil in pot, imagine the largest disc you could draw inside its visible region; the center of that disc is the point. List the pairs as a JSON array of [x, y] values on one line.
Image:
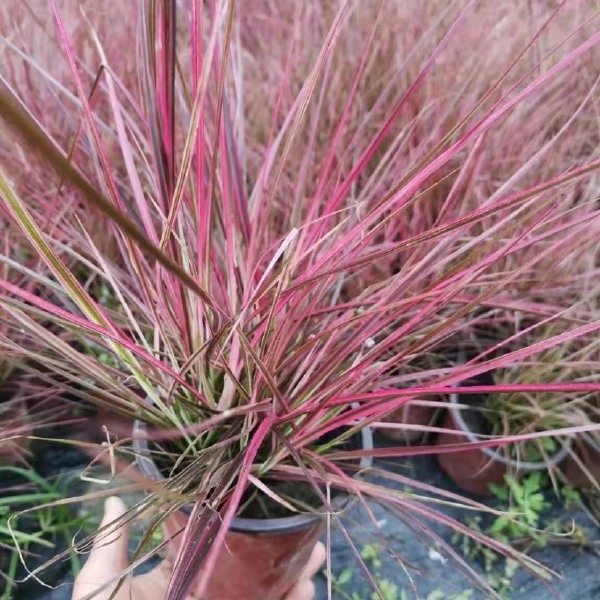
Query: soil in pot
[[474, 470], [262, 558]]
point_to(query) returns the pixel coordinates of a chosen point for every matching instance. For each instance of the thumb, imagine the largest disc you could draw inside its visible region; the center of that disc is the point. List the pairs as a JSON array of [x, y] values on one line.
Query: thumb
[[108, 557]]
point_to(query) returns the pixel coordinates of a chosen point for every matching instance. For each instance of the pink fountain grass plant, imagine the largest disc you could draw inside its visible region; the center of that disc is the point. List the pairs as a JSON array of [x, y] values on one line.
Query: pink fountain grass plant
[[255, 227]]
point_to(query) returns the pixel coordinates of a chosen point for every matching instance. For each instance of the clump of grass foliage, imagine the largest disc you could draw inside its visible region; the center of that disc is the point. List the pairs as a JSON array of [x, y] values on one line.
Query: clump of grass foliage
[[255, 215]]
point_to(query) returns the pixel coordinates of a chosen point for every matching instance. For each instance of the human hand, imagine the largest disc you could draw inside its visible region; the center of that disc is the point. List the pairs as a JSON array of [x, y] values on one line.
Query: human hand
[[108, 559]]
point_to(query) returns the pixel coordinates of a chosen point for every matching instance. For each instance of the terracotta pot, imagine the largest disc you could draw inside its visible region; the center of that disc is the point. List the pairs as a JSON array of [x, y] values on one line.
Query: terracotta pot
[[116, 423], [474, 470], [14, 419], [409, 414], [587, 450], [265, 558], [261, 558]]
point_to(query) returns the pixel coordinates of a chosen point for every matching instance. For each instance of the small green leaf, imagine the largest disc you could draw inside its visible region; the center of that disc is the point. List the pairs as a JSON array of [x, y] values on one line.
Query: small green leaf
[[499, 491], [344, 577], [464, 595], [388, 589]]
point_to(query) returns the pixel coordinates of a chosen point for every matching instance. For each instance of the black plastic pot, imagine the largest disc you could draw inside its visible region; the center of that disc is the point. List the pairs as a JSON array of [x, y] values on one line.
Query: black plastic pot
[[266, 555]]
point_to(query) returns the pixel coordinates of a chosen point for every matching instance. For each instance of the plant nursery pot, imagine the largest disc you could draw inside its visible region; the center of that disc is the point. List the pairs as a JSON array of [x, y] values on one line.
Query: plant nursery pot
[[261, 559], [587, 450], [116, 423], [409, 414], [474, 470]]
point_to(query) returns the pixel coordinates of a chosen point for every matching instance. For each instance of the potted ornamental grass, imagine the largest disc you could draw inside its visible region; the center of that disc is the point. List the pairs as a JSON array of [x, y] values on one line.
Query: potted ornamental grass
[[522, 413], [204, 227], [581, 467]]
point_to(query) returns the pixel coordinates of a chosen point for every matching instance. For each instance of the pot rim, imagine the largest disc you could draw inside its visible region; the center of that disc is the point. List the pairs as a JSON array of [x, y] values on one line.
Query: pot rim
[[244, 524], [496, 455]]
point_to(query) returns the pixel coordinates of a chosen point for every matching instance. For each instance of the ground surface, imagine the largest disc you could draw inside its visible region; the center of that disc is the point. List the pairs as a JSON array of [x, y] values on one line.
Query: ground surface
[[432, 575], [428, 575]]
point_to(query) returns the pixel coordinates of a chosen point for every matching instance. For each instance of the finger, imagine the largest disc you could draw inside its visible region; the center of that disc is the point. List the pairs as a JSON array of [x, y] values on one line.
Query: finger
[[303, 590], [154, 584], [109, 552], [315, 562]]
